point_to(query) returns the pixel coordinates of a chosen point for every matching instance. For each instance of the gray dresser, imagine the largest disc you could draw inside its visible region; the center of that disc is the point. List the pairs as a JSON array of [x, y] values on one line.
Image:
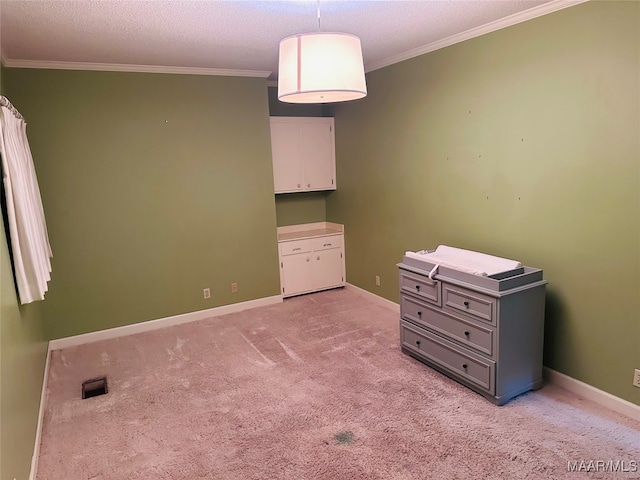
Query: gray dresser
[[484, 332]]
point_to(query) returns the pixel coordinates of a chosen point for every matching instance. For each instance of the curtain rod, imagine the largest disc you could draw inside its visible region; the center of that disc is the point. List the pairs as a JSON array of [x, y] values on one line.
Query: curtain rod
[[4, 102]]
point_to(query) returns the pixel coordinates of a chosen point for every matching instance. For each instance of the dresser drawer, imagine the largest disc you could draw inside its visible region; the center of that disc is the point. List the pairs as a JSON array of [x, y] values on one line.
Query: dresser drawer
[[421, 287], [297, 246], [459, 299], [465, 332], [474, 369], [325, 243]]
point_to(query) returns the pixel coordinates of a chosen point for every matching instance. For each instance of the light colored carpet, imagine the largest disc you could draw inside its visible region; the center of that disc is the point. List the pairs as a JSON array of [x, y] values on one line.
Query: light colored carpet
[[314, 388]]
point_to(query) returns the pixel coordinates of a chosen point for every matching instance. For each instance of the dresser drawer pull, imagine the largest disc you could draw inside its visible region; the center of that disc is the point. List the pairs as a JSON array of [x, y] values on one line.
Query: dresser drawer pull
[[308, 259], [299, 185], [464, 365], [318, 258], [466, 304], [418, 287], [466, 333], [296, 249], [420, 314], [327, 245], [308, 184], [418, 342]]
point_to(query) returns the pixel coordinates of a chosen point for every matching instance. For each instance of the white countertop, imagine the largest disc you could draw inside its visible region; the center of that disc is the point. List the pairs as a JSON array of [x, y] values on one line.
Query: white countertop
[[309, 230]]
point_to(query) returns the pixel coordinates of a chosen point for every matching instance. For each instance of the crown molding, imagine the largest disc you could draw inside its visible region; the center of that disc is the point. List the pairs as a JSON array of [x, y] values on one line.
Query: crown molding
[[544, 9], [119, 67], [514, 19]]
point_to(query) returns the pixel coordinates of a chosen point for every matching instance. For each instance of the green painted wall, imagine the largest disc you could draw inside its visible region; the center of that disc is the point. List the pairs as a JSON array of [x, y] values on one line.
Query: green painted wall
[[23, 352], [522, 143], [154, 187], [23, 356], [297, 208]]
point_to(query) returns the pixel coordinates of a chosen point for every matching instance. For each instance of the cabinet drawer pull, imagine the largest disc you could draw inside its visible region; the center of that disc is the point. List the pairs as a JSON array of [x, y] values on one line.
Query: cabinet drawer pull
[[308, 184], [295, 249], [420, 314], [466, 333], [418, 287], [466, 304], [464, 365], [327, 245], [308, 259], [418, 342], [318, 258], [299, 185]]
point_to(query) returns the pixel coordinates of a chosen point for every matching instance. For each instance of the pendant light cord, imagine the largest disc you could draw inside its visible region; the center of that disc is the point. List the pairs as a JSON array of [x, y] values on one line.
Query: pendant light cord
[[318, 9]]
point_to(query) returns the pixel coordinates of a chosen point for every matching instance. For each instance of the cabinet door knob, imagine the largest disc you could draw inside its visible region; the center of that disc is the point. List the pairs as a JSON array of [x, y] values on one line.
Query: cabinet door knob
[[419, 314], [308, 185], [299, 185], [464, 365], [466, 304], [466, 333]]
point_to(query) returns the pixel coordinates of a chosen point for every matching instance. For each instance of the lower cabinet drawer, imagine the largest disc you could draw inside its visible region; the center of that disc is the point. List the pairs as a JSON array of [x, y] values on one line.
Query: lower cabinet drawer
[[325, 243], [473, 368], [475, 336], [295, 247]]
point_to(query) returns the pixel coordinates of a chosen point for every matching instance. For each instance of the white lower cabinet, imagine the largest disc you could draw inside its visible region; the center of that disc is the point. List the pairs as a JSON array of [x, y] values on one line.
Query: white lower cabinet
[[297, 274], [311, 264], [328, 271]]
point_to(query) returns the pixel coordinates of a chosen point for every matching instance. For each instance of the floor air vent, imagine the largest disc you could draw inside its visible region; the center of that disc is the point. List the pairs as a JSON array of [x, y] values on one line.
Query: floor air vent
[[94, 387]]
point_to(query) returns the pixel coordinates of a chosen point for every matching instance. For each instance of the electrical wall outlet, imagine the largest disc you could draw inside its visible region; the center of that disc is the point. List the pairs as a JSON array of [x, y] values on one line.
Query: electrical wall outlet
[[206, 292], [636, 378], [377, 280], [234, 288]]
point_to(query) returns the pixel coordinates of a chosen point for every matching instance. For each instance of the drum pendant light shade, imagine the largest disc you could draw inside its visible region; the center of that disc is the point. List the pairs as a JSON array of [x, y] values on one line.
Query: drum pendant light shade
[[321, 68]]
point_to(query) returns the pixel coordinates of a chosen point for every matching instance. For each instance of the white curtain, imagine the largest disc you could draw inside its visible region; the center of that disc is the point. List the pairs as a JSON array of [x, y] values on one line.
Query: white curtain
[[27, 227]]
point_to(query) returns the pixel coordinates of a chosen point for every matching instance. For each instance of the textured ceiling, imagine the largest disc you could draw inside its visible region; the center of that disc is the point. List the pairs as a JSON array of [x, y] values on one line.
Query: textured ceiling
[[238, 35]]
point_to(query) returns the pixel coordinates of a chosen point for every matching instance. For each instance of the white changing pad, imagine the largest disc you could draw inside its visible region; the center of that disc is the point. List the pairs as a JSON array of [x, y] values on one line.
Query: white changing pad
[[466, 261]]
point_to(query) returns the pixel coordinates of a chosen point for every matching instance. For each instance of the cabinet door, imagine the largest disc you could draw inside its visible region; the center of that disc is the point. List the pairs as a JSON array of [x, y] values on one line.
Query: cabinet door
[[286, 147], [328, 269], [297, 274], [319, 155]]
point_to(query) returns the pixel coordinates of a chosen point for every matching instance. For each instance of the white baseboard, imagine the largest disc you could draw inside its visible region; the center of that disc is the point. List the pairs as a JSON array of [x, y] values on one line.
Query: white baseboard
[[161, 323], [374, 298], [594, 394], [43, 397]]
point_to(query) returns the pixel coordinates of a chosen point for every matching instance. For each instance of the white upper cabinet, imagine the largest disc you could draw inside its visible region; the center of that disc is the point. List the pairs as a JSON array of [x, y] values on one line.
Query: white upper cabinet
[[303, 153]]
